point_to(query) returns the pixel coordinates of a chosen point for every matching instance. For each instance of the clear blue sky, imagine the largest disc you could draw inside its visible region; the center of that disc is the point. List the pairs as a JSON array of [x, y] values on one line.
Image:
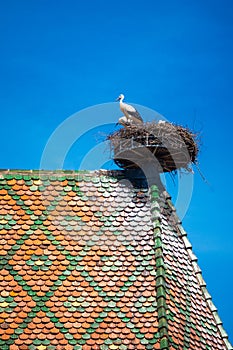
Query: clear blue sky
[[58, 57]]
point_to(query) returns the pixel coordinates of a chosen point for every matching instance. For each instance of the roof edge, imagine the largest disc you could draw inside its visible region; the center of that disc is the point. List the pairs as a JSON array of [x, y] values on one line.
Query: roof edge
[[57, 172], [136, 177], [198, 273]]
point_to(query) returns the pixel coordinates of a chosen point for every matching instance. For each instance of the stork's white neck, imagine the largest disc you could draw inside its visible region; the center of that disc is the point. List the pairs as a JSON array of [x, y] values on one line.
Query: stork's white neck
[[121, 99]]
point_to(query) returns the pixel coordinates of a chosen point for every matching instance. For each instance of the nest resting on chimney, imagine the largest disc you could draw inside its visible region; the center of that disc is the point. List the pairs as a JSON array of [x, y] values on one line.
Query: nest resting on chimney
[[171, 146]]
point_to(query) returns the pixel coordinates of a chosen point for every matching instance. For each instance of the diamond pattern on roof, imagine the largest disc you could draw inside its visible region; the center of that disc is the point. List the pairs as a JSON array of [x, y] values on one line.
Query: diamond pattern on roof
[[91, 262]]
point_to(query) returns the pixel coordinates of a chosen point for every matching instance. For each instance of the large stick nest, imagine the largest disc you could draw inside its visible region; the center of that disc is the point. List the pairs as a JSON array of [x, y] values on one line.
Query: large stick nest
[[173, 146]]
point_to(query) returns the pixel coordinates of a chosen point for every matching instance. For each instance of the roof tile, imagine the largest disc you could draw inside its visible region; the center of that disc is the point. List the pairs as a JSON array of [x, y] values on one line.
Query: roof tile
[[84, 268]]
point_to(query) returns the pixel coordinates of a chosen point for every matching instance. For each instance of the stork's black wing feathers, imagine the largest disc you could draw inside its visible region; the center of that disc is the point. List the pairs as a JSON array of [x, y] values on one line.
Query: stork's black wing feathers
[[135, 114]]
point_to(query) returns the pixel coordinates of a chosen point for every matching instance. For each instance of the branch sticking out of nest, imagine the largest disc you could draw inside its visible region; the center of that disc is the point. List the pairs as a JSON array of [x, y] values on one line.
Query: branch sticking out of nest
[[173, 146]]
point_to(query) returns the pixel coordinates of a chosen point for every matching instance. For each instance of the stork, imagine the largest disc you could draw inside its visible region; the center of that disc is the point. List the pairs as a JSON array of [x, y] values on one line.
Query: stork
[[131, 115]]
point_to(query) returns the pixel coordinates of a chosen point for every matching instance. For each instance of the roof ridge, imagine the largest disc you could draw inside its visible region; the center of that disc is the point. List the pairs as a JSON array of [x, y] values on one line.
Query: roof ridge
[[58, 171], [131, 174], [198, 273], [160, 270]]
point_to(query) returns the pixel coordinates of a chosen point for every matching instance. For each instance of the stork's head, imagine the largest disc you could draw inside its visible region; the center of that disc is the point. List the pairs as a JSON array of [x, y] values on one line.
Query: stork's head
[[120, 97]]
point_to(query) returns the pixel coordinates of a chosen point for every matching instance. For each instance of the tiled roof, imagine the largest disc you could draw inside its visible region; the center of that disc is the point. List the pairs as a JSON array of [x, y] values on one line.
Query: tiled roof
[[89, 261]]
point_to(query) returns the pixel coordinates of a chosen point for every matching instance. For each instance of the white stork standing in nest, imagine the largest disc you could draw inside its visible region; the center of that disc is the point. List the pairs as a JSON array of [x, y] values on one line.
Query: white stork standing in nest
[[131, 115]]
